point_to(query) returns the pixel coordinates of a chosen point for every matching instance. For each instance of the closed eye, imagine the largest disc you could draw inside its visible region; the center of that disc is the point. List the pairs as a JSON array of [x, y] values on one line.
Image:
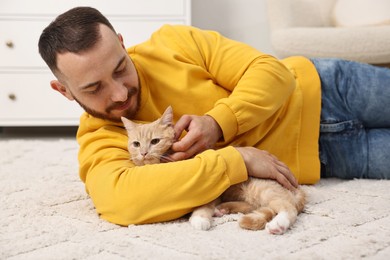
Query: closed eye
[[121, 68], [95, 90], [118, 72], [155, 141], [92, 88]]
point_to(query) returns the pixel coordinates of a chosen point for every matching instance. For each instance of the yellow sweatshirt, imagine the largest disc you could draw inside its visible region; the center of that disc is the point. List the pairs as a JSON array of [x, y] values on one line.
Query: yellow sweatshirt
[[256, 99]]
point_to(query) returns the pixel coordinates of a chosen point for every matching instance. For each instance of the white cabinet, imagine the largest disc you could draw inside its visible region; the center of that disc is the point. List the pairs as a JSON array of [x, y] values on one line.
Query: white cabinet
[[26, 98]]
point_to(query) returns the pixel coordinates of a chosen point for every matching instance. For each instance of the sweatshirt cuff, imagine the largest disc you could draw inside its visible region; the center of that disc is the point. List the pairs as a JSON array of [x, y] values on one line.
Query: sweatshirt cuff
[[226, 120], [236, 169]]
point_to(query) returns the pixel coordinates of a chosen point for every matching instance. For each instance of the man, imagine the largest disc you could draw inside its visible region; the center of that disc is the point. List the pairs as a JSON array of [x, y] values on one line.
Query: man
[[238, 112]]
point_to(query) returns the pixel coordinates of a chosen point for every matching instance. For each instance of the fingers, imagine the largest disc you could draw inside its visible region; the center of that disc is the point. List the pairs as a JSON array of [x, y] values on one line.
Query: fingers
[[262, 164], [177, 156], [202, 134], [292, 181], [185, 149], [285, 182], [185, 143], [188, 142], [287, 174], [284, 174], [181, 125]]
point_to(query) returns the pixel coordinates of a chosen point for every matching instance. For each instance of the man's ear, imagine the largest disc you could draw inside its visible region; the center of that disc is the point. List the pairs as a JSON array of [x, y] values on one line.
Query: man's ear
[[57, 86], [121, 40]]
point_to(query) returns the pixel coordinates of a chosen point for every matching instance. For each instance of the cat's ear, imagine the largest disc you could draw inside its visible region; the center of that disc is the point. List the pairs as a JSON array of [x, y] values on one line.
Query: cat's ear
[[167, 117], [129, 125]]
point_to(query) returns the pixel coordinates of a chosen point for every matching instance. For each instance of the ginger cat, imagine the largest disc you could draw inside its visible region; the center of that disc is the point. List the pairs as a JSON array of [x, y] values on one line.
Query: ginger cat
[[149, 142], [264, 203]]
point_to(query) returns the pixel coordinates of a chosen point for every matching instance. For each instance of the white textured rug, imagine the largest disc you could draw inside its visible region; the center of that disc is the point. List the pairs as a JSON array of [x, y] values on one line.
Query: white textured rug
[[46, 214]]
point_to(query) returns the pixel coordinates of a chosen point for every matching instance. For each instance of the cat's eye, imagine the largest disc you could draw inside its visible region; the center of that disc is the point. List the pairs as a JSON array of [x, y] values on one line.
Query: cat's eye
[[136, 144], [155, 141]]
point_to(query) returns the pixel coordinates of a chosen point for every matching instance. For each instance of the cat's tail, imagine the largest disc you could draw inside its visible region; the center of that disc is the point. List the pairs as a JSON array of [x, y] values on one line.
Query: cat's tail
[[257, 219]]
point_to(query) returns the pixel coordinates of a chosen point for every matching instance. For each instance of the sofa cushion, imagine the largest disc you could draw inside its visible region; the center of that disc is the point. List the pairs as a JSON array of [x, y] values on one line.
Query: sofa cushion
[[361, 13]]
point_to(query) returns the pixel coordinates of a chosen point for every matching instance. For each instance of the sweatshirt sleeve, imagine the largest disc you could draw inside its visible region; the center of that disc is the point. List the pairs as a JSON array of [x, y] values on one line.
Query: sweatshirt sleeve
[[259, 83], [126, 194]]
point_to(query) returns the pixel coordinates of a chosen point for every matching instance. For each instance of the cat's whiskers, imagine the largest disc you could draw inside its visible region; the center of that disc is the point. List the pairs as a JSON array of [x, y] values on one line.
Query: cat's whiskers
[[166, 158], [132, 157]]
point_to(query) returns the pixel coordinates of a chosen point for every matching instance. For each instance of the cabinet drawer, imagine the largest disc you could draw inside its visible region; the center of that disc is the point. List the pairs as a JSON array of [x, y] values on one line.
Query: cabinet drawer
[[19, 45], [27, 99], [111, 7]]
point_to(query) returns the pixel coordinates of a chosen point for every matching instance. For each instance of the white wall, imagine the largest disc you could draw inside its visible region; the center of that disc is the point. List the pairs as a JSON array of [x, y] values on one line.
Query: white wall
[[242, 20]]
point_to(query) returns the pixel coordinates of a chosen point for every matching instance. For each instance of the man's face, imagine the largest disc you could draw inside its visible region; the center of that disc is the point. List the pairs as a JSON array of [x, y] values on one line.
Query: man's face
[[103, 80]]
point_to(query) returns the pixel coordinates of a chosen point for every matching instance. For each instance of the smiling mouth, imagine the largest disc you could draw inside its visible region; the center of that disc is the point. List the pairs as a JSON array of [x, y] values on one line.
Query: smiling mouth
[[119, 106], [122, 106]]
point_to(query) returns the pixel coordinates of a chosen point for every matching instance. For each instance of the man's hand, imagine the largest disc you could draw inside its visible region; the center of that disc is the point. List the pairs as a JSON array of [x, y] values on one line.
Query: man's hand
[[203, 133], [262, 164]]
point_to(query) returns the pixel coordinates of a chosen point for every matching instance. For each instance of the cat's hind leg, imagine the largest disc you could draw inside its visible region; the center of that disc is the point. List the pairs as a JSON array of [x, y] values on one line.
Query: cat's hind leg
[[286, 217], [257, 219]]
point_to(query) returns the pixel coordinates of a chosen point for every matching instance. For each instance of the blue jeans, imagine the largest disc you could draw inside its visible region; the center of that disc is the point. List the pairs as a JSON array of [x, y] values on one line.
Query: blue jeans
[[355, 120]]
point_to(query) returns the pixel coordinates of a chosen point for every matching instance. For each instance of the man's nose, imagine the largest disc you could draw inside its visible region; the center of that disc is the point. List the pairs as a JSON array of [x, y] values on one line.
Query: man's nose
[[119, 92]]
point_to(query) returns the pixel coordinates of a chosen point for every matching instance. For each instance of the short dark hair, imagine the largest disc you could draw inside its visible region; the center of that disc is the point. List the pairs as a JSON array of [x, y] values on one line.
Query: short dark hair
[[76, 30]]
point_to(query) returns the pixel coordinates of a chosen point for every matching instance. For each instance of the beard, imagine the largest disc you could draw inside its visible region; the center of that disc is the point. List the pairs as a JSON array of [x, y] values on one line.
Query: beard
[[129, 113]]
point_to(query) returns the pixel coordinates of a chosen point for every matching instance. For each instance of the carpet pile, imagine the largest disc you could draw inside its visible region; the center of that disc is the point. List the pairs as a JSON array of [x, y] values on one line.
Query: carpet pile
[[46, 214]]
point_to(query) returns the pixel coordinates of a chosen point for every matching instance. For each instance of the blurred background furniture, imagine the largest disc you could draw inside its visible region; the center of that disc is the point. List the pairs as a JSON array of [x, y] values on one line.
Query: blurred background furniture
[[306, 27], [26, 98]]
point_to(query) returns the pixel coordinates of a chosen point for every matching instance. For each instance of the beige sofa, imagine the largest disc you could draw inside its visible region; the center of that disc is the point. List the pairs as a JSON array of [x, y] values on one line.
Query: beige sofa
[[304, 27]]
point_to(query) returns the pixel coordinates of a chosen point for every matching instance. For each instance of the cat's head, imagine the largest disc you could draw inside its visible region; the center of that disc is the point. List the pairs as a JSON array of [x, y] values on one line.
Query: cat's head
[[148, 142]]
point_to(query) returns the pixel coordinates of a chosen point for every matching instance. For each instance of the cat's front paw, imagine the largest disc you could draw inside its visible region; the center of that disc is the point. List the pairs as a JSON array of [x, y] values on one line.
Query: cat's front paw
[[200, 223]]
